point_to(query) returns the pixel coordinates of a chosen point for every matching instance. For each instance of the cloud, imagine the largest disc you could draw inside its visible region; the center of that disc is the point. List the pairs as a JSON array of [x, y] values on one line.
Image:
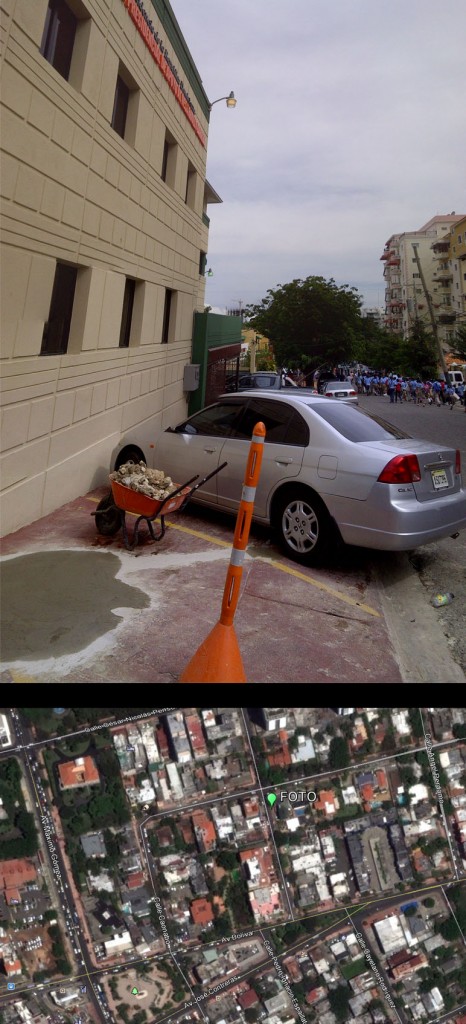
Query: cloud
[[349, 127]]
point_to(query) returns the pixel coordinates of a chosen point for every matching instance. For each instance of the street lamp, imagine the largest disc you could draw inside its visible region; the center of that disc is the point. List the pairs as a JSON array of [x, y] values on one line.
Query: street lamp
[[230, 101]]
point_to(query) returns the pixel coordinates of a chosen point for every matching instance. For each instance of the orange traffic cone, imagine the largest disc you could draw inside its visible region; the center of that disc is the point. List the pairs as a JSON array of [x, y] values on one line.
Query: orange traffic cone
[[218, 659]]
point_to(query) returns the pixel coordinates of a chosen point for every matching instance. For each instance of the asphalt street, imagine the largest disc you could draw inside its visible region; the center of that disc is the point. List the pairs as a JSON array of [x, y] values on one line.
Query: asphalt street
[[441, 567]]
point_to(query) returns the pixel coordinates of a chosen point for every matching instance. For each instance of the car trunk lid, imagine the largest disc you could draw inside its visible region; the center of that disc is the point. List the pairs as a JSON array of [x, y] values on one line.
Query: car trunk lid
[[436, 466]]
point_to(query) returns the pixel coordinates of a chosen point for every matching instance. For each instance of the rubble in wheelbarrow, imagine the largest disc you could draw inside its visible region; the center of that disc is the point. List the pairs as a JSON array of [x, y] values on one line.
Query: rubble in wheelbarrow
[[139, 477]]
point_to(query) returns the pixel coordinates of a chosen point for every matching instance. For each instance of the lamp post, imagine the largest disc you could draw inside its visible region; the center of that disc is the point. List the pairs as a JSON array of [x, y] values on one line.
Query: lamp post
[[433, 322], [230, 101]]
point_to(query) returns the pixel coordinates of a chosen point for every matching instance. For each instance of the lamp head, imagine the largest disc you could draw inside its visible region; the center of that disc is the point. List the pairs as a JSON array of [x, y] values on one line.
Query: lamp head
[[231, 101]]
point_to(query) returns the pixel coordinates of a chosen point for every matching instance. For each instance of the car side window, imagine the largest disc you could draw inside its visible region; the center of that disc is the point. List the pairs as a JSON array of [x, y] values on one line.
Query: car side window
[[215, 421], [297, 431], [283, 424]]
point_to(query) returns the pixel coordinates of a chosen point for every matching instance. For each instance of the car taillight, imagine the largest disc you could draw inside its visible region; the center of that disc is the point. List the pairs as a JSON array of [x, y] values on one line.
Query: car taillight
[[403, 469], [352, 392], [457, 462]]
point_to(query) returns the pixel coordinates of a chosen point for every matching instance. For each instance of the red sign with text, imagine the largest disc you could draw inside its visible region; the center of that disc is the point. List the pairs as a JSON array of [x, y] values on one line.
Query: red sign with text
[[155, 46]]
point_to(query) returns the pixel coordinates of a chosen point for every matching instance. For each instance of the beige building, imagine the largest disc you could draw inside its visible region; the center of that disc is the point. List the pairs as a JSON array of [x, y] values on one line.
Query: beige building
[[405, 295], [457, 259], [104, 126]]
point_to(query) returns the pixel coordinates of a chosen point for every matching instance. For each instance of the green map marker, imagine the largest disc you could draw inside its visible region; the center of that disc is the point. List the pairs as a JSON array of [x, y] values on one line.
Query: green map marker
[[271, 799], [134, 991]]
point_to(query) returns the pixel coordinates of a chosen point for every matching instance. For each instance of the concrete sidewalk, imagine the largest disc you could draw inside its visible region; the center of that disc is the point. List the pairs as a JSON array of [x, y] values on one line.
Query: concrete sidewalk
[[78, 607]]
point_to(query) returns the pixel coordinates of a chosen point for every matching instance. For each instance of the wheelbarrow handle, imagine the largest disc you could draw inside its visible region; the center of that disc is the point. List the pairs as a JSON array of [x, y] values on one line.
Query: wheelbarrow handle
[[206, 478], [181, 487], [201, 482]]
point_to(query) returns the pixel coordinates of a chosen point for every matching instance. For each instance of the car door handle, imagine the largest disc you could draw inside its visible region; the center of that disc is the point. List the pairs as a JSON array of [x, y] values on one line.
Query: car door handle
[[284, 462], [210, 450]]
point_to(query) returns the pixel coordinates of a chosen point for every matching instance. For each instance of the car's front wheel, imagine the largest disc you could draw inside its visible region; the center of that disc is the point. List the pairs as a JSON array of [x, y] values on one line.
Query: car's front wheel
[[303, 525]]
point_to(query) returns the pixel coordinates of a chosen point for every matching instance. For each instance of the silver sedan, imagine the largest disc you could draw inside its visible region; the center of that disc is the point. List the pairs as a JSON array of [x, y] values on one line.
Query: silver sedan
[[343, 390], [330, 472]]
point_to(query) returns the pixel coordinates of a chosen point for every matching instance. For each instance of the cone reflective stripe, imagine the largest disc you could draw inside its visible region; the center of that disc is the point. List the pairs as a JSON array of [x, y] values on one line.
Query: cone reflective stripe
[[218, 659]]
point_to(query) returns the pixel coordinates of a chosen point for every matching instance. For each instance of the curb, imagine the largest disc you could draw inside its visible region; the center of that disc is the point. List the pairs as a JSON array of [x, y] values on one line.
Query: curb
[[419, 643]]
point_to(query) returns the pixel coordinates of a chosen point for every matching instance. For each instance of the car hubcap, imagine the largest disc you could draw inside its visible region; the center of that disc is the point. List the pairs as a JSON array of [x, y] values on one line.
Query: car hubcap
[[300, 526]]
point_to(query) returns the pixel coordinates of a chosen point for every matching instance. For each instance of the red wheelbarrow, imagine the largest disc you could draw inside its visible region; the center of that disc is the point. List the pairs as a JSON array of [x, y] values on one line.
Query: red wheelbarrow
[[110, 514]]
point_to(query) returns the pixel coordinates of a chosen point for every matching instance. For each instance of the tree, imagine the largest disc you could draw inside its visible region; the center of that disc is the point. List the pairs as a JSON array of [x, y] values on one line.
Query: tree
[[449, 930], [339, 999], [227, 859], [309, 321], [458, 344], [377, 347], [338, 755], [418, 354]]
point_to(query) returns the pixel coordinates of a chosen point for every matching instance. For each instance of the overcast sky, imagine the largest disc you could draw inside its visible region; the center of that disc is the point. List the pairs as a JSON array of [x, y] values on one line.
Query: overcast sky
[[349, 126]]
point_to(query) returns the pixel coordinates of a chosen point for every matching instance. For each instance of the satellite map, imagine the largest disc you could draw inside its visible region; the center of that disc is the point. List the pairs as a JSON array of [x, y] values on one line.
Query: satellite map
[[232, 865]]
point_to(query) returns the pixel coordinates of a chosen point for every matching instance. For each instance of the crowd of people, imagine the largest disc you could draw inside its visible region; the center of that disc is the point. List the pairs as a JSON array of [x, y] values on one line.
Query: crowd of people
[[396, 387], [409, 389]]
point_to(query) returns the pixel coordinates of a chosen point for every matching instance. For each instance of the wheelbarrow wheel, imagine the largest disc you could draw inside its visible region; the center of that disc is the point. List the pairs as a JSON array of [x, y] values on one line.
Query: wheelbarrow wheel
[[107, 517]]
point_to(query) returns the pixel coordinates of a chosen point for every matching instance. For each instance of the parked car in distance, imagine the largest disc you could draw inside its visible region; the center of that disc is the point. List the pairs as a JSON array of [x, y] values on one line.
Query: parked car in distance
[[323, 377], [330, 471], [261, 379], [342, 390]]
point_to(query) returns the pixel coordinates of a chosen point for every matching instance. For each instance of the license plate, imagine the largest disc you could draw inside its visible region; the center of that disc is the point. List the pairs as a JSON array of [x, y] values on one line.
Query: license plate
[[340, 394], [439, 479]]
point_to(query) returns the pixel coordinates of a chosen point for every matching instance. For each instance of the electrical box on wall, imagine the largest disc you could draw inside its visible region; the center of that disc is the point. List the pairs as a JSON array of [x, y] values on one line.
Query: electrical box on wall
[[191, 377]]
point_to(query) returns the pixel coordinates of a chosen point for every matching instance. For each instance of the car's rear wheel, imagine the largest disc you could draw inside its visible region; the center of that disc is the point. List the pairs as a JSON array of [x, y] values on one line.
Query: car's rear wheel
[[107, 517], [303, 525]]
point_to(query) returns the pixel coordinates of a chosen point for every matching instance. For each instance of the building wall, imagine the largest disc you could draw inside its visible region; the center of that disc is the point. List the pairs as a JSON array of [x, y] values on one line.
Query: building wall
[[216, 340], [457, 253], [74, 191]]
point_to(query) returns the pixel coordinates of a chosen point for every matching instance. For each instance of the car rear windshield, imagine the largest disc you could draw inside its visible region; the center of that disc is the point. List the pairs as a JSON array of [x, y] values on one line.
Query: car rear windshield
[[357, 425]]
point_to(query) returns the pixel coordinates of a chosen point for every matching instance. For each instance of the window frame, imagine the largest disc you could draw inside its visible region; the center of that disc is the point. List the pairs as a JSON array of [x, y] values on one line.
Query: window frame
[[120, 106], [61, 302], [127, 313], [50, 47], [167, 313]]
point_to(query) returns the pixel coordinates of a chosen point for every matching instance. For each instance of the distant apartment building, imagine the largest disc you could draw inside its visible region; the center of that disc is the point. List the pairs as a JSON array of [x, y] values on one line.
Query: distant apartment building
[[273, 719], [81, 772], [5, 734], [419, 294], [181, 748], [105, 235], [196, 736], [204, 831], [455, 256]]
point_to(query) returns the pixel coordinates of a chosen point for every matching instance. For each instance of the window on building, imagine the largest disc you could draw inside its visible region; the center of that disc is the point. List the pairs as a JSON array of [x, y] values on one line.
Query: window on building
[[191, 177], [416, 275], [59, 36], [127, 312], [125, 105], [57, 329], [169, 157], [202, 262], [167, 311], [120, 107]]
